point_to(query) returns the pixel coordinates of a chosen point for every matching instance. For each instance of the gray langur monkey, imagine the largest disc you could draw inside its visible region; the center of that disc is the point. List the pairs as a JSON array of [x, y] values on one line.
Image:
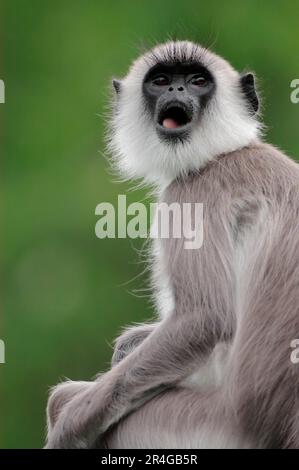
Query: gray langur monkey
[[215, 370]]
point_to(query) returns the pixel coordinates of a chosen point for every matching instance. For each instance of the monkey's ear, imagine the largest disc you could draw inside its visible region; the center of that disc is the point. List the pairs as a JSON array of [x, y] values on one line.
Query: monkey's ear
[[247, 81], [116, 85]]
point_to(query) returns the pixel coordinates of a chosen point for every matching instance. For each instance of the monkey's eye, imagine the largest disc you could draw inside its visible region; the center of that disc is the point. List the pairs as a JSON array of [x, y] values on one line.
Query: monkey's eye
[[199, 81], [161, 80]]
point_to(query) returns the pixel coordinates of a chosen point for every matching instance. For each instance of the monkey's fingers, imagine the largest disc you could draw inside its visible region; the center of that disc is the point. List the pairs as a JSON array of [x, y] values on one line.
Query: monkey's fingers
[[60, 395], [129, 340]]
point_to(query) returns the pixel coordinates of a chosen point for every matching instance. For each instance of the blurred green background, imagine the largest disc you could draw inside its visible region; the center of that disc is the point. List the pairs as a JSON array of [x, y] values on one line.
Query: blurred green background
[[66, 293]]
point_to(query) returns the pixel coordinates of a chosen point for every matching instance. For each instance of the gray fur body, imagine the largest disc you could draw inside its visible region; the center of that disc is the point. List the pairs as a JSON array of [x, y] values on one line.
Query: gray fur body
[[253, 306], [215, 370], [251, 251]]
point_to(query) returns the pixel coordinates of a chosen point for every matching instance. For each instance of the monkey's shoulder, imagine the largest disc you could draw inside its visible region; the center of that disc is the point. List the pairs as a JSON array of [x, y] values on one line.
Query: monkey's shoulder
[[259, 170], [261, 158], [262, 171]]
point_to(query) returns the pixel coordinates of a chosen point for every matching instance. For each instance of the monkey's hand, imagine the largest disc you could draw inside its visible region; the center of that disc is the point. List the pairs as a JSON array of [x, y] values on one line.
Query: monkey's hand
[[64, 392], [129, 340], [173, 350], [60, 396], [63, 424]]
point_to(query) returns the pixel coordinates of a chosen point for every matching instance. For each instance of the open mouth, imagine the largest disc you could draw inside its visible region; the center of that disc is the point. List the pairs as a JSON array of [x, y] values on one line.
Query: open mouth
[[174, 116]]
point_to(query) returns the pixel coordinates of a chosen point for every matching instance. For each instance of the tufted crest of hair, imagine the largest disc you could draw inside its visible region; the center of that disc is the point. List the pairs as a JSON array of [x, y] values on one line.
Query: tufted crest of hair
[[226, 125]]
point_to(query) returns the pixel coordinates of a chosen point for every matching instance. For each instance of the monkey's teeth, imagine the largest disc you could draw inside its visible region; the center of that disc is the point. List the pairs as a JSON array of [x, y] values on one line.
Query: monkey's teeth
[[170, 123]]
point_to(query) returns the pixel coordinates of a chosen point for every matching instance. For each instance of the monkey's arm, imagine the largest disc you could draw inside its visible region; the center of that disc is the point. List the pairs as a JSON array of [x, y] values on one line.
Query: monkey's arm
[[168, 355], [203, 286]]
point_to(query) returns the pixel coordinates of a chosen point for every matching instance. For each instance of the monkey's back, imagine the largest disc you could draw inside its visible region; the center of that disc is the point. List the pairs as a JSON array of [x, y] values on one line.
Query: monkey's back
[[250, 210]]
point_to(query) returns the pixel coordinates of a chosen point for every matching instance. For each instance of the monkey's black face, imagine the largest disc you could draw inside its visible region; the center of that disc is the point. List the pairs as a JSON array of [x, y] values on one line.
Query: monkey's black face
[[176, 95]]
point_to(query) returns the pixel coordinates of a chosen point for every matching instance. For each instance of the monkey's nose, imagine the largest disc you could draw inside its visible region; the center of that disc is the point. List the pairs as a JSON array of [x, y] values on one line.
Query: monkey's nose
[[180, 88]]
